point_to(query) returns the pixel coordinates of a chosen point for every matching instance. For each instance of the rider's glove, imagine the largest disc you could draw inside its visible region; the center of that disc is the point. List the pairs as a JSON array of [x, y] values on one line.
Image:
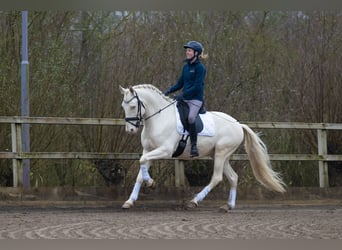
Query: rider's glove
[[179, 97], [167, 92]]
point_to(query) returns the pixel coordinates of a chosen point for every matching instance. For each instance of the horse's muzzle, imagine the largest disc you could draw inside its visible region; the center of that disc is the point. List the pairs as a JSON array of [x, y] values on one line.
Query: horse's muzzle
[[131, 129]]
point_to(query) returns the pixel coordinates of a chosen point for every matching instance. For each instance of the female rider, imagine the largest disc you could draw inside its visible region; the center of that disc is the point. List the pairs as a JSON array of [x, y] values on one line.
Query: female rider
[[191, 82]]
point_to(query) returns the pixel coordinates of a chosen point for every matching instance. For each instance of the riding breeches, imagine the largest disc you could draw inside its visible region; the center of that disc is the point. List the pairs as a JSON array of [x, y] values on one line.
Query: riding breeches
[[194, 107]]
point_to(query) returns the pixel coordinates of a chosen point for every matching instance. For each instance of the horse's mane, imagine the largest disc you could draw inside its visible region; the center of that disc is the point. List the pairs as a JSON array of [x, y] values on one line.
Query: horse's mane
[[155, 89]]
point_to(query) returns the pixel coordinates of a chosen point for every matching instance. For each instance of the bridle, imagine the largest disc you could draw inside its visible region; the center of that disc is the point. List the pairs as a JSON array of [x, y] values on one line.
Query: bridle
[[135, 121], [138, 118]]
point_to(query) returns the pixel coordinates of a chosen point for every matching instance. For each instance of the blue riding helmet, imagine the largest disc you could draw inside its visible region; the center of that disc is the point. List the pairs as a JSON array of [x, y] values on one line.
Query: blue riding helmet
[[196, 46]]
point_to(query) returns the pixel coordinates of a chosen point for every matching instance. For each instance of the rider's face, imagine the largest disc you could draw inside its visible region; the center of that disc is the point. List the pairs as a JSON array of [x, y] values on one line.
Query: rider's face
[[189, 53]]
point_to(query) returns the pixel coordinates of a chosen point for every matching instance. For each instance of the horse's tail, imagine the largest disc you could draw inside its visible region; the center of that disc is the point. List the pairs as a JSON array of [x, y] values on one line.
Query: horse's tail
[[259, 159]]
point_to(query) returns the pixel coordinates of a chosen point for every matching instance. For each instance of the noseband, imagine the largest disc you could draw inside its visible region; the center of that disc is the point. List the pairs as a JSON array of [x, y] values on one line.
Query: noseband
[[138, 118]]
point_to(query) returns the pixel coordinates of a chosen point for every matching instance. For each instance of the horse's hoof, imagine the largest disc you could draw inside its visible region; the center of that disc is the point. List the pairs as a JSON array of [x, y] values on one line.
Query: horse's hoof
[[151, 184], [127, 205], [224, 209], [231, 206], [192, 204]]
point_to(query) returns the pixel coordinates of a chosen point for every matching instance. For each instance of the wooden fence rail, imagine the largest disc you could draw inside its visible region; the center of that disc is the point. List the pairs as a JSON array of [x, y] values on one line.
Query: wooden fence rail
[[17, 155]]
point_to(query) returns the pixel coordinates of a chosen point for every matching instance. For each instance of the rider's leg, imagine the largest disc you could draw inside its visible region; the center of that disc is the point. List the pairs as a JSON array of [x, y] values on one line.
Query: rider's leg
[[194, 107], [193, 139]]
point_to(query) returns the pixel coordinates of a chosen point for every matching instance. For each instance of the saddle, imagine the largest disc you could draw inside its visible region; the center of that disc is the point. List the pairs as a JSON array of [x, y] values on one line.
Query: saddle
[[183, 110]]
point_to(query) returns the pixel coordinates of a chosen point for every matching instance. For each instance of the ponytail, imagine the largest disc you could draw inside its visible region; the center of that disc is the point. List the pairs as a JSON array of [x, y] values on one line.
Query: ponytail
[[203, 56]]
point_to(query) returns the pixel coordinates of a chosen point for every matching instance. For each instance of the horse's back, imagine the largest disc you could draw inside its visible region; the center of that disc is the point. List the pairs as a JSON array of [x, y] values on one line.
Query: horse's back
[[224, 116], [226, 125]]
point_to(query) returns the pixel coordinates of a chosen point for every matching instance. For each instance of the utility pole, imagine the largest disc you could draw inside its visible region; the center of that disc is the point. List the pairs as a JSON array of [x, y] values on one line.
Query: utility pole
[[25, 104]]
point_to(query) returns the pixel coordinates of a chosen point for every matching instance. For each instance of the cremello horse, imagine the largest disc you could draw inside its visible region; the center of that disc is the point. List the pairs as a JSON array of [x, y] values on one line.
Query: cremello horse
[[159, 138]]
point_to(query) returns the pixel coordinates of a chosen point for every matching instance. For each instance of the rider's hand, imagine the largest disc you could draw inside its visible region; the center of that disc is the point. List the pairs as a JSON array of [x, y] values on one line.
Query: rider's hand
[[167, 92], [179, 97]]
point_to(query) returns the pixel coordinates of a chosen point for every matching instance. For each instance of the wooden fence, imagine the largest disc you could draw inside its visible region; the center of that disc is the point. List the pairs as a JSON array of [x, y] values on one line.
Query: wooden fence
[[17, 155]]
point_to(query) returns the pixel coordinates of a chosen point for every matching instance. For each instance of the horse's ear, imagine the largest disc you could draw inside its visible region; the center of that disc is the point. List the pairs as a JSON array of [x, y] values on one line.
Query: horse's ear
[[131, 90], [122, 90]]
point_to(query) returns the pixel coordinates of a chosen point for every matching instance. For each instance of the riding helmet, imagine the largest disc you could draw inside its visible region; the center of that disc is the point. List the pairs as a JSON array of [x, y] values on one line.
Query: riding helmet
[[196, 46]]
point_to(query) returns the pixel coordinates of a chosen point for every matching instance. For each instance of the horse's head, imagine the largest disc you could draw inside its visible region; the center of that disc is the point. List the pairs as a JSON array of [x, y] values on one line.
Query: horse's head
[[134, 109]]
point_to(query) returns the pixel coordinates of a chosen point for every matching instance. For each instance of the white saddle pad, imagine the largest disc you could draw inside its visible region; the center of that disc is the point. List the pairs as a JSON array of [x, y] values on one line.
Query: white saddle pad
[[208, 125]]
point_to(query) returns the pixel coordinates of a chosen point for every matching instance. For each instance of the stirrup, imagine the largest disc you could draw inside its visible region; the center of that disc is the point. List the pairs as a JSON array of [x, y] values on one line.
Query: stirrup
[[193, 151]]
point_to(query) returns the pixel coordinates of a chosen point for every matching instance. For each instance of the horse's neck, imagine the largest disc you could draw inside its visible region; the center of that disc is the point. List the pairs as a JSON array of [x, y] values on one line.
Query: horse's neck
[[153, 103], [159, 114]]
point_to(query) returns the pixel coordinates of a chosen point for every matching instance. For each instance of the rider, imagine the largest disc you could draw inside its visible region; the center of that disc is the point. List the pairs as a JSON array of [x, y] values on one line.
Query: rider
[[192, 84]]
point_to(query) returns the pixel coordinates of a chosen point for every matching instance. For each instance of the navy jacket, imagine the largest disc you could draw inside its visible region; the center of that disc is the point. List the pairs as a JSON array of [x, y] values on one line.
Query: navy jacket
[[192, 81]]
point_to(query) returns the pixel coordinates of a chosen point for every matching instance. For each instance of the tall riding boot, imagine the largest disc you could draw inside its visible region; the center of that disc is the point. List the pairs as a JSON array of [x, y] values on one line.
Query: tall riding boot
[[193, 139]]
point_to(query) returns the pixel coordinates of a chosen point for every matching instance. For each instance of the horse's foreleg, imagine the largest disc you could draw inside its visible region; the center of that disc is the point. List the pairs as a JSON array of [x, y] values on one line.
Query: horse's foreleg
[[155, 154], [146, 176], [135, 192], [233, 180], [145, 162], [143, 176]]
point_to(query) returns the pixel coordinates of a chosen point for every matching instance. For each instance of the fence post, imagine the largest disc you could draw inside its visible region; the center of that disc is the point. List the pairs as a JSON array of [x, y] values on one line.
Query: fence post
[[179, 173], [322, 152], [17, 164], [14, 150]]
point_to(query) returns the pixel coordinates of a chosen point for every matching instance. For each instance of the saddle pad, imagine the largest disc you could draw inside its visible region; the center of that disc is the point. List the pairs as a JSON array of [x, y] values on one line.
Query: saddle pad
[[208, 124]]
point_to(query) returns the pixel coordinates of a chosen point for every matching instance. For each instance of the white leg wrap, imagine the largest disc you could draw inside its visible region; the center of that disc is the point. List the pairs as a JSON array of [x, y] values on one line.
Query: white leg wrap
[[201, 195], [232, 198], [144, 173], [134, 195]]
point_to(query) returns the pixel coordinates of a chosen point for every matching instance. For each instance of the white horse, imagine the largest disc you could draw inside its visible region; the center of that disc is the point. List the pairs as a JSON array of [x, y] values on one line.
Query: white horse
[[159, 138]]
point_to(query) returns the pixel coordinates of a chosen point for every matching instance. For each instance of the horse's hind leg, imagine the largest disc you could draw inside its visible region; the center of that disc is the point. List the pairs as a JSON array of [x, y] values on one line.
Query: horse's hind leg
[[215, 179], [233, 180]]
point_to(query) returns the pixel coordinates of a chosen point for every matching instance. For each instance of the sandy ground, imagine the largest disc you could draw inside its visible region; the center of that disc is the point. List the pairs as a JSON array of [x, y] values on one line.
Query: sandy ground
[[170, 221]]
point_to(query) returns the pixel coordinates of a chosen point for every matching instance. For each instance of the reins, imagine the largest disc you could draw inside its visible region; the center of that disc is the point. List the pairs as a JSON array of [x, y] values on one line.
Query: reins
[[160, 110]]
